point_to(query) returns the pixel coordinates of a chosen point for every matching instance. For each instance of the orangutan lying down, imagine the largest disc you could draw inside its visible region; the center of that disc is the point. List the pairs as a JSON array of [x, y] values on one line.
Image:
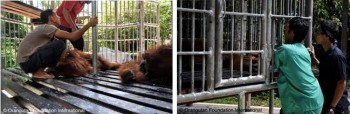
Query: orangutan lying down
[[155, 66], [74, 62]]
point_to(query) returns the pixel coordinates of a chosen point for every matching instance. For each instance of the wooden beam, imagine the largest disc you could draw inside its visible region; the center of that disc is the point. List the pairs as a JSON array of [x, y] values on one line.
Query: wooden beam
[[20, 8], [8, 92], [23, 6], [18, 12], [8, 103], [117, 103], [86, 105]]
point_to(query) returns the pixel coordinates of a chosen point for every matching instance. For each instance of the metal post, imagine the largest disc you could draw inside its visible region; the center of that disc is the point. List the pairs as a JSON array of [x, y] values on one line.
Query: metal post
[[116, 38], [52, 5], [218, 42], [142, 28], [32, 25], [211, 45], [248, 99], [204, 45], [241, 102], [243, 34], [94, 39], [192, 45], [179, 62], [269, 54], [309, 4], [344, 35], [267, 47], [271, 100], [158, 23], [1, 55]]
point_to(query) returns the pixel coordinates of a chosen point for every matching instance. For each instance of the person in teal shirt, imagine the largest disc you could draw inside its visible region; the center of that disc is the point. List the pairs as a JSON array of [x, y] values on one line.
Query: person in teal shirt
[[299, 90]]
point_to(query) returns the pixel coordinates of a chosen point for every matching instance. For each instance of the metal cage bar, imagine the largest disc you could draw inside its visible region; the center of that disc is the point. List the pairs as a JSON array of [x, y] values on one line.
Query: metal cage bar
[[244, 23], [196, 45], [242, 28], [118, 29]]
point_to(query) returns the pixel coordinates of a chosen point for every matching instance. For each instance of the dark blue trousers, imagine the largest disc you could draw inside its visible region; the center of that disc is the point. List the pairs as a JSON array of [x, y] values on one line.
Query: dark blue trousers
[[78, 44], [46, 56]]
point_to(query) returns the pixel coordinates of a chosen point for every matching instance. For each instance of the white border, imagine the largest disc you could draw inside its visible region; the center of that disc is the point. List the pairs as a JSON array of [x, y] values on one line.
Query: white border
[[174, 44]]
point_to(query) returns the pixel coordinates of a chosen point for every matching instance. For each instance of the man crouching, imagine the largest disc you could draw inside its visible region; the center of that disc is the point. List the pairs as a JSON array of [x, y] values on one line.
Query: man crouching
[[42, 48]]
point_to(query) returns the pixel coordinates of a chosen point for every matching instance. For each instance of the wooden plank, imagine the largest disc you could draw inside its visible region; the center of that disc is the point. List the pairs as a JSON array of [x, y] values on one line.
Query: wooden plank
[[19, 11], [165, 92], [78, 102], [25, 6], [15, 76], [151, 91], [114, 76], [32, 89], [156, 88], [120, 104], [51, 86], [30, 107], [109, 76], [112, 73], [8, 92], [149, 87], [70, 88], [144, 92], [18, 71], [20, 8], [38, 101], [71, 99], [158, 104], [8, 106]]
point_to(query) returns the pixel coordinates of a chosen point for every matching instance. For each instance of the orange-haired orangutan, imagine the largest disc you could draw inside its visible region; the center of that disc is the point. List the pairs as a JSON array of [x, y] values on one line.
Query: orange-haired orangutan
[[155, 66], [74, 62]]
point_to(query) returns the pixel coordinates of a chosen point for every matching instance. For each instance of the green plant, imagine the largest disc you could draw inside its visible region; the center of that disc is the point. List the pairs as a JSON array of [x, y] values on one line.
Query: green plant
[[165, 20], [257, 99], [11, 34]]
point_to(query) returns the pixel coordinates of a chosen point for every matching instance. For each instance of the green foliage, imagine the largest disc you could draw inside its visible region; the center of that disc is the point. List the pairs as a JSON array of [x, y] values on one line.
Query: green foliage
[[165, 20], [46, 4], [328, 10], [11, 34], [12, 29], [228, 100], [258, 99], [8, 52]]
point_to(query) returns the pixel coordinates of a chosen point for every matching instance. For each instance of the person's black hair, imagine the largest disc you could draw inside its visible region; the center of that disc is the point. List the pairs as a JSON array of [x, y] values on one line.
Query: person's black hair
[[330, 29], [87, 2], [44, 16], [300, 27]]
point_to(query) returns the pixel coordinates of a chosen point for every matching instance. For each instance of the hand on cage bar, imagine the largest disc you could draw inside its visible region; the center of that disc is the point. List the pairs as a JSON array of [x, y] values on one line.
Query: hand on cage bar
[[93, 21], [311, 51]]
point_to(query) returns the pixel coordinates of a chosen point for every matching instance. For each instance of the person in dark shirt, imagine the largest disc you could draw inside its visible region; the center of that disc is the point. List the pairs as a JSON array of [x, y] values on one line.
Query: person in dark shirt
[[333, 69]]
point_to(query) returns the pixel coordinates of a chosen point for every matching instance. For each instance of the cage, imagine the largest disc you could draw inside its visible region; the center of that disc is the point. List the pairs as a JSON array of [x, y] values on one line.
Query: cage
[[125, 29], [225, 47]]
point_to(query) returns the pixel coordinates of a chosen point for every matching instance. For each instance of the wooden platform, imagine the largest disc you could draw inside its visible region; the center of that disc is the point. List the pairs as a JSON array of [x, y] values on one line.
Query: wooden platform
[[101, 94]]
